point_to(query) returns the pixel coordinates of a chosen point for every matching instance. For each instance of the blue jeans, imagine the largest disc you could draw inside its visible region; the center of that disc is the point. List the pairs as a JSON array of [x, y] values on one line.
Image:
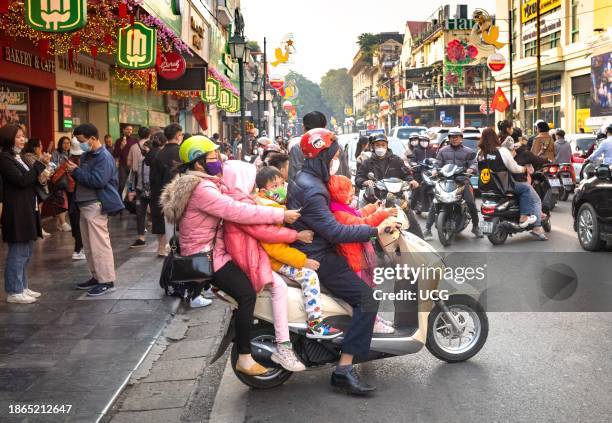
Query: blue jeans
[[529, 201], [15, 272]]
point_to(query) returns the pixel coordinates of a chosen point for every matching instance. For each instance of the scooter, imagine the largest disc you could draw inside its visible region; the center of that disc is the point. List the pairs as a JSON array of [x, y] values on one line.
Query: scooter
[[550, 171], [452, 214], [453, 329], [567, 179], [424, 194]]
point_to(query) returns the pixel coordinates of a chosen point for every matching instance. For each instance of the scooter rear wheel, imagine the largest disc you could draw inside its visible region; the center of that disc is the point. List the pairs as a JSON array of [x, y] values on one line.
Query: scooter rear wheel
[[564, 194], [469, 313], [499, 235]]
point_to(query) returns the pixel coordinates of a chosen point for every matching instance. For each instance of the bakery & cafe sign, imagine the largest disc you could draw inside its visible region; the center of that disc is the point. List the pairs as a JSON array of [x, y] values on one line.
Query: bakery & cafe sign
[[30, 60]]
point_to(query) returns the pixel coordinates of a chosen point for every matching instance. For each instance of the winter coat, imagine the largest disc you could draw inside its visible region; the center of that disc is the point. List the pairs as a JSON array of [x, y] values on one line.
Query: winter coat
[[420, 153], [543, 145], [97, 171], [196, 202], [281, 254], [463, 156], [20, 217], [308, 192], [389, 166], [242, 241], [563, 151], [163, 168], [340, 193]]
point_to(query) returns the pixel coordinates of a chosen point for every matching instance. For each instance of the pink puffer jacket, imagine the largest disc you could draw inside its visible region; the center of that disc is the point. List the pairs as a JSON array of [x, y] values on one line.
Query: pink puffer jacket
[[243, 241], [196, 201]]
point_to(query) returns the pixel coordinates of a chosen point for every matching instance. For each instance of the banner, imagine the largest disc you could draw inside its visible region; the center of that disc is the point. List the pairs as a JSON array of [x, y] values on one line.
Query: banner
[[529, 8], [601, 85]]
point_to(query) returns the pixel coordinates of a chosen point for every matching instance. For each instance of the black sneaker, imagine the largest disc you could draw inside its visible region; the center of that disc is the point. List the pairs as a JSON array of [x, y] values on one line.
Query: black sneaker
[[138, 243], [87, 285], [101, 289]]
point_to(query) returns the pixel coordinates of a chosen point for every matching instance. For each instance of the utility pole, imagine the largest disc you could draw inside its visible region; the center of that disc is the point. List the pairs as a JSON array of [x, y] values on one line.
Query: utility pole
[[510, 48], [538, 65], [265, 82], [485, 80]]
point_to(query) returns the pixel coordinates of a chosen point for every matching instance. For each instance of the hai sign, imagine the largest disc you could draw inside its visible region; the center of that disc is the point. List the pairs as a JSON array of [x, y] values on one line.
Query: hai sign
[[172, 66], [136, 46], [56, 15]]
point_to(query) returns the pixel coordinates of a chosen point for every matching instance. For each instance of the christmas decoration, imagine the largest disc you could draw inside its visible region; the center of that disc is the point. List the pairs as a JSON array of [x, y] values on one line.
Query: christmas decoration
[[223, 80], [166, 36], [213, 90], [136, 46], [56, 15]]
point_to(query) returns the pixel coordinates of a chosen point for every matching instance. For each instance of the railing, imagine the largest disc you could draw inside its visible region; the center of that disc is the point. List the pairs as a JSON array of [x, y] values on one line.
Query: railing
[[424, 36]]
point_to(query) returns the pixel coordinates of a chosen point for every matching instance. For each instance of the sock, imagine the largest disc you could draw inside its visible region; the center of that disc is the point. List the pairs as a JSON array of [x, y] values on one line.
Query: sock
[[287, 344], [343, 370]]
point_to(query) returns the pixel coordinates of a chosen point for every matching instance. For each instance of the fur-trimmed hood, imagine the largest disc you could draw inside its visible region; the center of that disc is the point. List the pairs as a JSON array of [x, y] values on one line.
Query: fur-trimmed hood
[[175, 196]]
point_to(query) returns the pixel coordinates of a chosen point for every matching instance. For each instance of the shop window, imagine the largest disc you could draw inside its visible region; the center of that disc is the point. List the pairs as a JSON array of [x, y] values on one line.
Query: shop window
[[13, 104], [530, 49], [575, 32], [554, 39], [583, 101]]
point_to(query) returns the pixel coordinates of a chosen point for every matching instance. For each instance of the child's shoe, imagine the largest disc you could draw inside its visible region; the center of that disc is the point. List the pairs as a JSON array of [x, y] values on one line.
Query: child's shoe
[[381, 328], [320, 330], [285, 356]]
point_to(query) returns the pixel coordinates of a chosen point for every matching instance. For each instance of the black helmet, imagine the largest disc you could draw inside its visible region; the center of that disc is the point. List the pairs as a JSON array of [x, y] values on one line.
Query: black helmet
[[609, 128], [600, 135], [377, 138], [413, 135]]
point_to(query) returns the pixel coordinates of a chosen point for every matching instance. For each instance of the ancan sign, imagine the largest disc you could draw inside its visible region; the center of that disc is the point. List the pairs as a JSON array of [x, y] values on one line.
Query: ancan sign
[[172, 66], [56, 15], [136, 46]]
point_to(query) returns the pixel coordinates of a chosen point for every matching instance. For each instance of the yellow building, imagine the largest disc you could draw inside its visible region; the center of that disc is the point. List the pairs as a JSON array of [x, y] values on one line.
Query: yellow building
[[573, 36]]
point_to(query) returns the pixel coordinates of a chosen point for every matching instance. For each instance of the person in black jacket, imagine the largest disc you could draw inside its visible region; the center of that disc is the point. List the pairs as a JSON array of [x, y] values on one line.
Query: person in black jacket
[[20, 217], [308, 192]]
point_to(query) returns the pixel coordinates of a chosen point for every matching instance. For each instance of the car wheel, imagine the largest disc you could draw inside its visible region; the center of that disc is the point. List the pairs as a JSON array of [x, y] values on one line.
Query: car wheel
[[588, 228]]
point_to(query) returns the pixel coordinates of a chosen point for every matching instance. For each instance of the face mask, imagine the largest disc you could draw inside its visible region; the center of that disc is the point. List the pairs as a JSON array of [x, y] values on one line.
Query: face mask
[[260, 151], [380, 152], [335, 165], [85, 147], [213, 168], [424, 144], [16, 150], [277, 194]]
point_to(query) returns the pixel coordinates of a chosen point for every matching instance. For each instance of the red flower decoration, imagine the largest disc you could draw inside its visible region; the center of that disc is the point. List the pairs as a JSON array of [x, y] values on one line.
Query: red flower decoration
[[455, 51], [472, 51], [452, 78]]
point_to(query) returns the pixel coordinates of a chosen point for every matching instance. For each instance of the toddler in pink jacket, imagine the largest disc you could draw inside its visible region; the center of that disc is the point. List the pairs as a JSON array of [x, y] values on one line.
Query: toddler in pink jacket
[[242, 242]]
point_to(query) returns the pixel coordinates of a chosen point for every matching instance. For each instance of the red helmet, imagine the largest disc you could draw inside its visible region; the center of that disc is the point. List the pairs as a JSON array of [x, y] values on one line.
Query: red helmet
[[315, 141]]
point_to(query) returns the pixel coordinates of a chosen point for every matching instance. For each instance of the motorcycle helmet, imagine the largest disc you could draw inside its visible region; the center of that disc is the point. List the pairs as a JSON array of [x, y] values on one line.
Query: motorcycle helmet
[[424, 137], [315, 141], [264, 141], [378, 138], [272, 148], [600, 136], [454, 131], [413, 136], [196, 147], [609, 128]]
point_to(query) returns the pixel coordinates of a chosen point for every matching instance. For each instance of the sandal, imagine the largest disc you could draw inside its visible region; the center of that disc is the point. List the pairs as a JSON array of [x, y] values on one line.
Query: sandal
[[539, 236]]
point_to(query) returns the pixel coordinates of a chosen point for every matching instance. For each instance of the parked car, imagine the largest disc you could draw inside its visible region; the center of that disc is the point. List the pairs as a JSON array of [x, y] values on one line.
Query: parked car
[[344, 139], [592, 210], [580, 144], [349, 148], [370, 132], [403, 132]]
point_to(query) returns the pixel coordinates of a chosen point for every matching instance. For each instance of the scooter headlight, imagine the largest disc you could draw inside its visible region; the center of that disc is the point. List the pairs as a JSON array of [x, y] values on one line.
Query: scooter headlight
[[447, 197]]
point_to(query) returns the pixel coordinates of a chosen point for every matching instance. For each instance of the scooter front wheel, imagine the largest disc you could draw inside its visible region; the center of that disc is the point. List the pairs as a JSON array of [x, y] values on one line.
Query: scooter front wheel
[[444, 229], [449, 345]]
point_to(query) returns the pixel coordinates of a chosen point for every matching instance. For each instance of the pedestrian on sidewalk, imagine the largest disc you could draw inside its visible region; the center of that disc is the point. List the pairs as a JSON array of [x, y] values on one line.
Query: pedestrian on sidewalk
[[120, 151], [59, 199], [74, 214], [97, 197], [158, 225], [32, 152], [140, 182], [20, 218]]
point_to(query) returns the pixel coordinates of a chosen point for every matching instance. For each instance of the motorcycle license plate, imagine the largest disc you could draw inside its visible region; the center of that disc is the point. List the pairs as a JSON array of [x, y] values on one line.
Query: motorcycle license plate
[[554, 183], [568, 181], [485, 227]]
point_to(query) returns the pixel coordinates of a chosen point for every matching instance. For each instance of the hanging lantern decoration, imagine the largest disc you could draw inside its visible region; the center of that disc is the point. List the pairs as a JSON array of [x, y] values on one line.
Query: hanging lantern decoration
[[384, 106], [123, 10], [213, 90], [56, 15], [136, 46], [496, 62], [277, 82], [43, 47], [234, 104], [4, 6], [225, 98], [287, 105]]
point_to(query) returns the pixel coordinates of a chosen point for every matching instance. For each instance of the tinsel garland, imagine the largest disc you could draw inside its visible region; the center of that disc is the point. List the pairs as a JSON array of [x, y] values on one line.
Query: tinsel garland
[[166, 36], [224, 80]]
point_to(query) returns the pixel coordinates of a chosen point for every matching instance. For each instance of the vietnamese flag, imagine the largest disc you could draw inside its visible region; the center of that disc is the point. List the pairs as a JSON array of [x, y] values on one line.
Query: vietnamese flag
[[500, 102]]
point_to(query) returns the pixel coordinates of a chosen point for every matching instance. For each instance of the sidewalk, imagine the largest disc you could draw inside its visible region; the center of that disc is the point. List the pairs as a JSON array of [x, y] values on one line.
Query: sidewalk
[[73, 350]]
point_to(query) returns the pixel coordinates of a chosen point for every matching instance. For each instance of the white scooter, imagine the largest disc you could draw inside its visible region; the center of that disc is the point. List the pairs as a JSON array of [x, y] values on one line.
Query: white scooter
[[453, 330]]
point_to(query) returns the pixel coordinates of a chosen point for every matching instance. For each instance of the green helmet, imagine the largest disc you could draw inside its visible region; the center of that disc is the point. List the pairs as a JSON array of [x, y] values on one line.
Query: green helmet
[[195, 147]]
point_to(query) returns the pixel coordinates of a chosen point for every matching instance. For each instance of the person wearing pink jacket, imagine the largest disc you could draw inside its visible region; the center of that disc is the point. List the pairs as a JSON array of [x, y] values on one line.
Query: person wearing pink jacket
[[194, 200], [243, 244]]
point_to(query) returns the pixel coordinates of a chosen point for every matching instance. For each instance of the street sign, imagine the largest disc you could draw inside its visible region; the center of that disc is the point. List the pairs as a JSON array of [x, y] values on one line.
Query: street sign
[[442, 115]]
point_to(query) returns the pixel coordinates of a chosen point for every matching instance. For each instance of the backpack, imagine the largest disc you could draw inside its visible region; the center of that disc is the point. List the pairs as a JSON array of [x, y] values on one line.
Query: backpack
[[144, 176]]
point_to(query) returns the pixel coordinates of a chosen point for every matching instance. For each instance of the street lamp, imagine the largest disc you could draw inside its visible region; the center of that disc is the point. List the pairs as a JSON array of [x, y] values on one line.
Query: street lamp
[[257, 90], [238, 50]]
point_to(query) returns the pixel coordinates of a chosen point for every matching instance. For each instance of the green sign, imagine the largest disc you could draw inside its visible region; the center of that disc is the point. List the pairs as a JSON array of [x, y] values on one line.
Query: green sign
[[213, 90], [136, 46], [68, 123], [56, 15], [162, 9], [462, 23], [234, 104], [225, 98]]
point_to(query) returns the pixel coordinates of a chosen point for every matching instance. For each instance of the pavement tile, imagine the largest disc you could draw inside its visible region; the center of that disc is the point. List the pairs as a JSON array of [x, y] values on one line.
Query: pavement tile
[[79, 380], [16, 380], [76, 331], [203, 331], [143, 294], [158, 395], [105, 331], [17, 361], [185, 369], [152, 416], [46, 346], [188, 349], [128, 306], [10, 345], [101, 306]]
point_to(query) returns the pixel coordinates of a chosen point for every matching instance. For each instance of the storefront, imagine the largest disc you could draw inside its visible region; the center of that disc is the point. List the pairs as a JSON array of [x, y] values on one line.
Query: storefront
[[550, 94], [27, 83], [581, 86], [83, 93]]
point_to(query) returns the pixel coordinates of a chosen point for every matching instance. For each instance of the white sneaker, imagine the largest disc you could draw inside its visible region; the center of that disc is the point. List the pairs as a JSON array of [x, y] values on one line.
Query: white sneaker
[[208, 294], [31, 293], [200, 301], [79, 256], [529, 221], [64, 227], [20, 299], [45, 234], [381, 328]]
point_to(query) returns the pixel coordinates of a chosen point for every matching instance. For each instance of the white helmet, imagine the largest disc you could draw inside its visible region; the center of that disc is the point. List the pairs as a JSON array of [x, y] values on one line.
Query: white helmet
[[454, 131], [263, 141]]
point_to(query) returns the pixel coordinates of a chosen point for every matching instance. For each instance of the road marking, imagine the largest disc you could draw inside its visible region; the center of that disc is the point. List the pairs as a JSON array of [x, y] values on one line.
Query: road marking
[[231, 400]]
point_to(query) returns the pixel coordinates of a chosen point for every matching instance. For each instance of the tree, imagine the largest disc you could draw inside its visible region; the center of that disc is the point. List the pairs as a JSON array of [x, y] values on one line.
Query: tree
[[337, 91], [368, 43], [309, 98]]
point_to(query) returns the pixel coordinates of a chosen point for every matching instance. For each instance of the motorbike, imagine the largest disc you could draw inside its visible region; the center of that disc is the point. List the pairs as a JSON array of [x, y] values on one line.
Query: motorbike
[[550, 171], [453, 329], [424, 194], [501, 212], [567, 179], [452, 215]]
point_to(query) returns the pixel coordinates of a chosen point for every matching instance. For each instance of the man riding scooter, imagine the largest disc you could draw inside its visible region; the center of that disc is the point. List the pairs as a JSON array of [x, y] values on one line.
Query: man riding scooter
[[458, 154], [420, 153]]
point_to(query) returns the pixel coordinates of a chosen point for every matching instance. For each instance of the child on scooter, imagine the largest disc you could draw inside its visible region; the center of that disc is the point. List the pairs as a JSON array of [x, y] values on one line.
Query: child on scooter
[[291, 262], [242, 242], [360, 256]]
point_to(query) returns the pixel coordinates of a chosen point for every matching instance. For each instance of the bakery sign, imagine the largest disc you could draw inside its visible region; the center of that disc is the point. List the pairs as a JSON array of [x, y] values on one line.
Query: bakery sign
[[172, 66], [30, 60]]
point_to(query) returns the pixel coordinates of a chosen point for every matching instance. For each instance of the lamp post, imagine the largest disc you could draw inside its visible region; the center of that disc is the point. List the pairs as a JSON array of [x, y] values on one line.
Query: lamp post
[[256, 89], [238, 49]]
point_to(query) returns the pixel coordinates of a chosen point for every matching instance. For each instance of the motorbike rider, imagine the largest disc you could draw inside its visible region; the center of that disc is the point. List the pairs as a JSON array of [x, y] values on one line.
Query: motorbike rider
[[458, 154], [562, 147], [413, 143], [422, 151], [605, 148], [308, 192], [543, 144], [384, 164]]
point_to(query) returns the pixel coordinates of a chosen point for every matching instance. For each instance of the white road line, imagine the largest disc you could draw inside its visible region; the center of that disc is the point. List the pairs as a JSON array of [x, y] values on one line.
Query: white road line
[[231, 401]]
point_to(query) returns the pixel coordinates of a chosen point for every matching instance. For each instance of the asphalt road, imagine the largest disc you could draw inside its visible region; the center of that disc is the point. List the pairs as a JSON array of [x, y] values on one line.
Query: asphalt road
[[535, 367]]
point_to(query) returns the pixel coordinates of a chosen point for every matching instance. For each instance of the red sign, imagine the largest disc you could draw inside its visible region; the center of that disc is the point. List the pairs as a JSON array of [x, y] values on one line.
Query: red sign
[[496, 62], [172, 66]]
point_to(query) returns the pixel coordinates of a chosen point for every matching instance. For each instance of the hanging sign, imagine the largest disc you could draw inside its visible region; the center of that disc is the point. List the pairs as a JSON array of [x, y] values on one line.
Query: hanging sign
[[225, 98], [213, 90], [172, 66], [56, 15], [496, 62], [234, 104], [136, 46]]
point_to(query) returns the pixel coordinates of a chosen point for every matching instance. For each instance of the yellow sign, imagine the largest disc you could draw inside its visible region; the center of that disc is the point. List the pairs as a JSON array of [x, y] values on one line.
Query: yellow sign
[[529, 8], [485, 175], [383, 93], [348, 111], [581, 117]]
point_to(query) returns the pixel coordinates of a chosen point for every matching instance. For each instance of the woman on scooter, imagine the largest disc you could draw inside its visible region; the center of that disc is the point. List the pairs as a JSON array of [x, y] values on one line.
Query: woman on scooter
[[194, 201], [308, 192]]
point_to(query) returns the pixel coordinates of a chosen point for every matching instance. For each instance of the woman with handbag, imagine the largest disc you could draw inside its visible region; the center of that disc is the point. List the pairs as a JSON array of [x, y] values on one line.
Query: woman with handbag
[[32, 152], [194, 200], [20, 217], [59, 199]]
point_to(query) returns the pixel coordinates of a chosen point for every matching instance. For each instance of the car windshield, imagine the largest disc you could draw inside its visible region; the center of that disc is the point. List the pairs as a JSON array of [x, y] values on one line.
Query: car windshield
[[471, 143], [404, 133], [583, 144]]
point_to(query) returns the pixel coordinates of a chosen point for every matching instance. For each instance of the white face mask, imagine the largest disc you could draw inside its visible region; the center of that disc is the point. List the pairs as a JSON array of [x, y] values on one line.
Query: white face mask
[[424, 144], [334, 166], [260, 151], [380, 151]]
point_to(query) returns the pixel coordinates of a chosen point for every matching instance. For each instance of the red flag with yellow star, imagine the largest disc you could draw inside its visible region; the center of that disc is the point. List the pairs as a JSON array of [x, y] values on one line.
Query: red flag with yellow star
[[500, 102]]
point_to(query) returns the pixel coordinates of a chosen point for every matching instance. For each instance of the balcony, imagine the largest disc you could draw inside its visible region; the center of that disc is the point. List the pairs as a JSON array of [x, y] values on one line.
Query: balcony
[[225, 12]]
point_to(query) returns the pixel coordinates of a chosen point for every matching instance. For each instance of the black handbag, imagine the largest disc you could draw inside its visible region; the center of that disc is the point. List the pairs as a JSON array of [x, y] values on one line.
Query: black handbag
[[42, 192]]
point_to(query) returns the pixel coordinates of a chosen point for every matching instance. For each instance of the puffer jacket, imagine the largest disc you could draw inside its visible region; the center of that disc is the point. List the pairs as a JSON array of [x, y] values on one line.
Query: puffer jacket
[[388, 166], [463, 157], [543, 145], [243, 241], [340, 193], [281, 254], [195, 200]]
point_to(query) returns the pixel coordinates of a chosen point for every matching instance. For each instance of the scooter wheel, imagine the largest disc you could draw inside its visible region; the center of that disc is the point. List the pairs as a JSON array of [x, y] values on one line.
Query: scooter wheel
[[546, 225], [499, 235], [564, 194], [445, 234], [445, 345], [275, 376]]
